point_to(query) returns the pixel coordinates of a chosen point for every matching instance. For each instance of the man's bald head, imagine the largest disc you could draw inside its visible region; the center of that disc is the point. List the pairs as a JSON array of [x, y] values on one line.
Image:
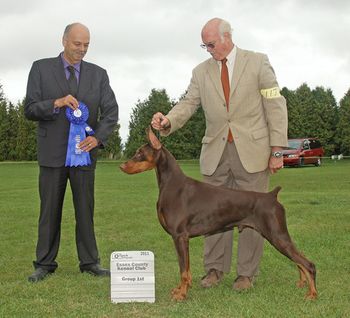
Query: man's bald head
[[217, 25], [76, 40], [74, 27], [217, 38]]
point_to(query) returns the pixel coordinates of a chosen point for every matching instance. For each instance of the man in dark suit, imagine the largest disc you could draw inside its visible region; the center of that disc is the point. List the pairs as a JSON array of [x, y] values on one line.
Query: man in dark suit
[[53, 85]]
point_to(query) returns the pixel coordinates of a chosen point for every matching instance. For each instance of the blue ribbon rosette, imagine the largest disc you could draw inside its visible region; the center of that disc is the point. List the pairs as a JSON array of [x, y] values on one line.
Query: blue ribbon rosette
[[77, 133]]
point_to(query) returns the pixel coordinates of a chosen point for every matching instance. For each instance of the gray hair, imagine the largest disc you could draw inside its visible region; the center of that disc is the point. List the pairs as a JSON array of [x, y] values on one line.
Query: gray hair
[[225, 27]]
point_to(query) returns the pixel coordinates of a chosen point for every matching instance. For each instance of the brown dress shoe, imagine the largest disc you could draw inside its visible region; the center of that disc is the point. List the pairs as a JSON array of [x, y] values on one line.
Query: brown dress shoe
[[213, 277], [242, 283]]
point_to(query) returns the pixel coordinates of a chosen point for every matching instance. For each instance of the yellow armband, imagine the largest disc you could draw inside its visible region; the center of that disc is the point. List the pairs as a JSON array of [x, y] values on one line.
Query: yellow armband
[[273, 92]]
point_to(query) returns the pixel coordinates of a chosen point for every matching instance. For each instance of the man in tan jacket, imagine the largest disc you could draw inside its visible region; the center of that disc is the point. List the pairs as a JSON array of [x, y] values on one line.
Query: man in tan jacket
[[246, 129]]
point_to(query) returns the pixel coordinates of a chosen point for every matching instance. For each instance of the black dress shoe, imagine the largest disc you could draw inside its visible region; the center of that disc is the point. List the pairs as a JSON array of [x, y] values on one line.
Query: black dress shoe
[[96, 270], [39, 274]]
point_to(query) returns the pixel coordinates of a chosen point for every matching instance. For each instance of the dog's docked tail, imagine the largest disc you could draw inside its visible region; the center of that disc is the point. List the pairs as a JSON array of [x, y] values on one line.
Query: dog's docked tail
[[275, 191]]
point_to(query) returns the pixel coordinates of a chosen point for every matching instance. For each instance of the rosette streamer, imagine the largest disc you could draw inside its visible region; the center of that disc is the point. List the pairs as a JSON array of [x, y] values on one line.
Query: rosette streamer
[[77, 133]]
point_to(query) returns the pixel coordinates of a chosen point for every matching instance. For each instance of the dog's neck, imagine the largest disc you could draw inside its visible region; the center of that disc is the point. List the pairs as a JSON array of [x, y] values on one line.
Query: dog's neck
[[167, 169]]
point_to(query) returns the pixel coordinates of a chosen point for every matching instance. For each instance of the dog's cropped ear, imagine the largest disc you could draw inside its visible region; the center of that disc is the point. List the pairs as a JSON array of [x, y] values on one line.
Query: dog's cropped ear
[[153, 140]]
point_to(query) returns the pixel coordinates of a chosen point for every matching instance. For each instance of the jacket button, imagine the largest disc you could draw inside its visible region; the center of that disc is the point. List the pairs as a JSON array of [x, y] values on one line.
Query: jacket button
[[223, 138]]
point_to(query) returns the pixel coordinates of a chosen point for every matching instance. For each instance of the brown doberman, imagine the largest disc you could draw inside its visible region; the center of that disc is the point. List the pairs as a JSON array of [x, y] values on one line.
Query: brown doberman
[[188, 208]]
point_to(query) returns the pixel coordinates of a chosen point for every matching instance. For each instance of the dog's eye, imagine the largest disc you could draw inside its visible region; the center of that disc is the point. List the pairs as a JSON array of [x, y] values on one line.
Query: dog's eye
[[138, 156]]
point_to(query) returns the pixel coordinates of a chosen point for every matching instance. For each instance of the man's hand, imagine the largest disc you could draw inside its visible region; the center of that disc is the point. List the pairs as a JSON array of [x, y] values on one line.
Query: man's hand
[[89, 143], [68, 100], [275, 164], [160, 122]]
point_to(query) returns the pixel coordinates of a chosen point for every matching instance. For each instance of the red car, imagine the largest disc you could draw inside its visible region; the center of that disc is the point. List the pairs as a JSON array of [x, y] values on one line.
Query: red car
[[303, 151]]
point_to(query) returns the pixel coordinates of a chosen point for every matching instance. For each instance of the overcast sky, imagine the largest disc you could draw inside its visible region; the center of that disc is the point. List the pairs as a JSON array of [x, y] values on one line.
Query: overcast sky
[[145, 44]]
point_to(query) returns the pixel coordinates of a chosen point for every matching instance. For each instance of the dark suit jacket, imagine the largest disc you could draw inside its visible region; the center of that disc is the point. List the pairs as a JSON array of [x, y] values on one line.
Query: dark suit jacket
[[46, 83]]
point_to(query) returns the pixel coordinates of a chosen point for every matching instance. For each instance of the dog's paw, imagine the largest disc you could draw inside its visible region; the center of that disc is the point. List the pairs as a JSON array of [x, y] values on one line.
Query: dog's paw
[[177, 294], [301, 283], [311, 295]]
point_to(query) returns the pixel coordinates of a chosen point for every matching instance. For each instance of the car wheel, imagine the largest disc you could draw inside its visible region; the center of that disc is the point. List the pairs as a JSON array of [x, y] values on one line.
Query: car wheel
[[318, 162], [301, 161]]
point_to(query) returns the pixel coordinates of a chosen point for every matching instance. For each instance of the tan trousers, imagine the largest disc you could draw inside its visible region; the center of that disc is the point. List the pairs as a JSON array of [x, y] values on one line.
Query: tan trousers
[[218, 247]]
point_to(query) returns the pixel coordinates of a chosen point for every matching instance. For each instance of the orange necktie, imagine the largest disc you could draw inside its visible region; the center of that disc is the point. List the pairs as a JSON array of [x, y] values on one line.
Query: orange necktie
[[226, 87]]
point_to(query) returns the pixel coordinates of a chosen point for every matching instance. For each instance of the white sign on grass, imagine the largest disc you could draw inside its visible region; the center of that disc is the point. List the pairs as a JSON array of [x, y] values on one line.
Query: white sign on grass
[[132, 277]]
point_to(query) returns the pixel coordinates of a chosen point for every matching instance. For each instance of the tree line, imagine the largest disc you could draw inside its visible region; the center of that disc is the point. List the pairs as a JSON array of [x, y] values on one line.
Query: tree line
[[311, 113]]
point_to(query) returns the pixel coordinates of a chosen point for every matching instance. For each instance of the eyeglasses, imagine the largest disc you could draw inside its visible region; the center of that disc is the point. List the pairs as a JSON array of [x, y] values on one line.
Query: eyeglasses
[[210, 46]]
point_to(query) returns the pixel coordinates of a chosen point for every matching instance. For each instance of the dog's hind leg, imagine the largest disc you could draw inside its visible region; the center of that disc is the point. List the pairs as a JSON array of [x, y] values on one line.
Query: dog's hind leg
[[182, 248], [307, 270], [276, 232], [302, 277]]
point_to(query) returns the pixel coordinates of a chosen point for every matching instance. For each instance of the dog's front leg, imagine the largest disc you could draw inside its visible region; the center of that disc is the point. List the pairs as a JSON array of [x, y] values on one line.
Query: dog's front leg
[[182, 248]]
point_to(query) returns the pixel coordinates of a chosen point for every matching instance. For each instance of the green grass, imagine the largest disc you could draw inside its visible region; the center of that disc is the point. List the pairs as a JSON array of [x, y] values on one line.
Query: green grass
[[317, 202]]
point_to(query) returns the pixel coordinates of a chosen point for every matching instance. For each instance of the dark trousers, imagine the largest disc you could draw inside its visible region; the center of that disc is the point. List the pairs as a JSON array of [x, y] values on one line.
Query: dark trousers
[[52, 187]]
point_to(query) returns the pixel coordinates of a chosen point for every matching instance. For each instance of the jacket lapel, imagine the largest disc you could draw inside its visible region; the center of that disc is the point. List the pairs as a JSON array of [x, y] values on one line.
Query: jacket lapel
[[214, 74], [84, 80], [60, 76], [240, 63]]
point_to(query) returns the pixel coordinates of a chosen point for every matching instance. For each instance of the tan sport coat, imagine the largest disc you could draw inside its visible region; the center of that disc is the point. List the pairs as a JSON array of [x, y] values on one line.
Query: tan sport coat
[[257, 113]]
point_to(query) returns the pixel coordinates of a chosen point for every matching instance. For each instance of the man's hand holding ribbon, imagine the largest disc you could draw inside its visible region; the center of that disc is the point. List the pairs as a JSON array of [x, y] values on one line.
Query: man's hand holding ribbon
[[69, 101], [89, 143]]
